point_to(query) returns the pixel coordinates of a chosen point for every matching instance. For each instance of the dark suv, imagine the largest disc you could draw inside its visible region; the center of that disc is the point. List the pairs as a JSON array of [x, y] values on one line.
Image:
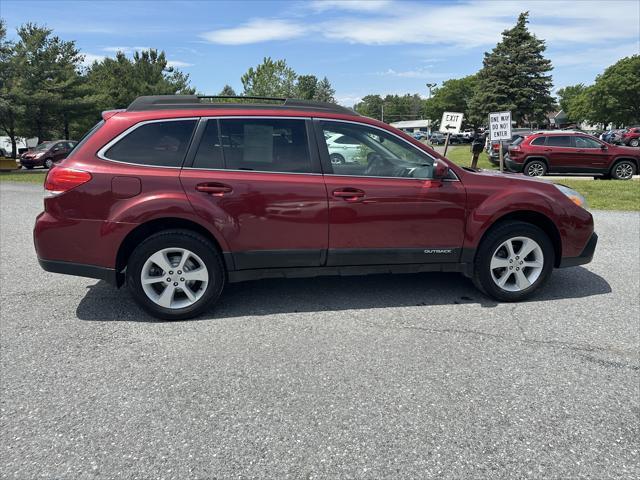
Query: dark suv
[[563, 152], [47, 154], [178, 195]]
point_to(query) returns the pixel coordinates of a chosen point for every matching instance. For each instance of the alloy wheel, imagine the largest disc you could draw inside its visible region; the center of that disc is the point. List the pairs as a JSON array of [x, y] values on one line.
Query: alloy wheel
[[516, 264], [535, 169], [624, 171], [174, 278]]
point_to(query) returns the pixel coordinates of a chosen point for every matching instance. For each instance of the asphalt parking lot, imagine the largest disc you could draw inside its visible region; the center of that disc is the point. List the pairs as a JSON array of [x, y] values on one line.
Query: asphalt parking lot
[[412, 376]]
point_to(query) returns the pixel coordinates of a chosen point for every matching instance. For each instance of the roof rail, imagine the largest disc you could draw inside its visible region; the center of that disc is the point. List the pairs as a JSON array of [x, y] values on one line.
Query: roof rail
[[173, 102]]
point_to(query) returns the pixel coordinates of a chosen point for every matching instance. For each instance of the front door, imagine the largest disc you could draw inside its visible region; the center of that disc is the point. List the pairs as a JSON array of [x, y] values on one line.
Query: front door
[[257, 182], [385, 207], [589, 155]]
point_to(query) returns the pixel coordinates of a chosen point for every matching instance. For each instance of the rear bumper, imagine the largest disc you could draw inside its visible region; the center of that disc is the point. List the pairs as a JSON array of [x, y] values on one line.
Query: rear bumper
[[585, 257], [80, 270], [513, 166]]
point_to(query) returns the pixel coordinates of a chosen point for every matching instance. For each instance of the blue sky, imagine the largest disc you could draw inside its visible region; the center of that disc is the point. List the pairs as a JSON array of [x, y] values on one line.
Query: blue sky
[[383, 46]]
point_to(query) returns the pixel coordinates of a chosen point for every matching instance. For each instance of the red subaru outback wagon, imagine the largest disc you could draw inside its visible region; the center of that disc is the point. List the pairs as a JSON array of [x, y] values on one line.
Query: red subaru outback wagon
[[177, 195]]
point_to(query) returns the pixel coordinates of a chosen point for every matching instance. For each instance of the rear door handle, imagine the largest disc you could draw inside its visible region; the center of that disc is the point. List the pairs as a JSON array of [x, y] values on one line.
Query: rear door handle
[[349, 194], [215, 189]]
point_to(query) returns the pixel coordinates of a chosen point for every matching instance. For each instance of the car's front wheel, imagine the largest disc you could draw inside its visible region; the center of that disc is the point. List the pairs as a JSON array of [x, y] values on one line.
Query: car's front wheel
[[634, 142], [623, 170], [535, 168], [48, 163], [514, 260], [175, 274]]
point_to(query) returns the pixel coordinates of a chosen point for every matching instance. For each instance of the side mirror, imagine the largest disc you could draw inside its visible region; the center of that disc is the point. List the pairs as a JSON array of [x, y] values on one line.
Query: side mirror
[[603, 146], [440, 170]]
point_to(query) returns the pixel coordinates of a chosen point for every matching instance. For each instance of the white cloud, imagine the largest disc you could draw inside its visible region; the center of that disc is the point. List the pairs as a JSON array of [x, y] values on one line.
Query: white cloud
[[459, 25], [255, 31], [89, 58], [125, 49], [356, 5], [416, 73], [178, 64]]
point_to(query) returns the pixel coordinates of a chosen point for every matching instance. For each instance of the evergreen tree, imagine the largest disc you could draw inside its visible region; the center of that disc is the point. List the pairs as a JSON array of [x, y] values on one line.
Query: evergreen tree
[[324, 91], [515, 77], [227, 91], [116, 82], [10, 110]]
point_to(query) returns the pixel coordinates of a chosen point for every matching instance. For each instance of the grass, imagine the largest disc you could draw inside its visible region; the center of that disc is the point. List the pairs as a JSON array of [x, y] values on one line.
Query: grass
[[35, 178], [607, 194], [601, 194]]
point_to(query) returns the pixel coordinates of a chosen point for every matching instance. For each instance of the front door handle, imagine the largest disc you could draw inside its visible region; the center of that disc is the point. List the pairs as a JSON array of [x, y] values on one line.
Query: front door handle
[[349, 194], [215, 189]]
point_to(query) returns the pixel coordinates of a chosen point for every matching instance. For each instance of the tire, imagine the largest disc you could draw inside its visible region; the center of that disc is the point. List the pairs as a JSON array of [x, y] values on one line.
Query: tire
[[48, 163], [535, 168], [336, 159], [28, 167], [634, 142], [172, 245], [623, 170], [541, 259]]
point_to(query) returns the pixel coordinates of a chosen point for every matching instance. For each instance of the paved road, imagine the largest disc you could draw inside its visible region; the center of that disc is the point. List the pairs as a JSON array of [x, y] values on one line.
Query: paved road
[[411, 376]]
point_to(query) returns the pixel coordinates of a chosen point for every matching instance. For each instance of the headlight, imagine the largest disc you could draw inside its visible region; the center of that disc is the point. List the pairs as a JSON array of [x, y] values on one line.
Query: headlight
[[38, 155], [574, 196]]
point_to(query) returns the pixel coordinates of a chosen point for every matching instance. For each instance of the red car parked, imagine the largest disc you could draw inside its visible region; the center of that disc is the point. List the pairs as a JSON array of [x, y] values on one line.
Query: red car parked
[[178, 195], [631, 137], [47, 154], [566, 152]]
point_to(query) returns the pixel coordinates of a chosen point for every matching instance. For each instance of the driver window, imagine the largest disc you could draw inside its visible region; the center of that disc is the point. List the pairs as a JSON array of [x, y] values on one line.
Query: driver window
[[360, 150], [585, 142]]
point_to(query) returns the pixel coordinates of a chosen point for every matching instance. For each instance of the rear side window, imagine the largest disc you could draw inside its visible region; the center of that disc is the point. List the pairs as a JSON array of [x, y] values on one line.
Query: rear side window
[[559, 141], [209, 154], [268, 145], [160, 144], [538, 141]]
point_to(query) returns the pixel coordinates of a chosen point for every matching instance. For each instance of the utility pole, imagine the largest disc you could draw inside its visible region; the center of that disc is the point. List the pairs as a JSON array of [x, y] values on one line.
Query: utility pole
[[382, 119]]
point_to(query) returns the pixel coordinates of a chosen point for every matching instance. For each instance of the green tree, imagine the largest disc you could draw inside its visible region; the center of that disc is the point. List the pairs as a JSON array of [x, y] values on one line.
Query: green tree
[[227, 91], [272, 78], [370, 106], [306, 87], [515, 77], [116, 82], [614, 96], [324, 91], [48, 82], [10, 110], [392, 108], [454, 96]]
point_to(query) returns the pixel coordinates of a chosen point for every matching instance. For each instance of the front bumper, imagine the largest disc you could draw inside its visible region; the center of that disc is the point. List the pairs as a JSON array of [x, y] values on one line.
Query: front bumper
[[31, 162], [585, 257]]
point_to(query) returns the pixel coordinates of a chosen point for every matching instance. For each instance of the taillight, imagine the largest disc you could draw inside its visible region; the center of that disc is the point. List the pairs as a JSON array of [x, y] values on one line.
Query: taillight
[[495, 146], [61, 179]]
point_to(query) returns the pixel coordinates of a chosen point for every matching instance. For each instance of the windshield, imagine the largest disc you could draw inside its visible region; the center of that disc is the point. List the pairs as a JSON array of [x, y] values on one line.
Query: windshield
[[44, 146], [86, 137], [517, 141]]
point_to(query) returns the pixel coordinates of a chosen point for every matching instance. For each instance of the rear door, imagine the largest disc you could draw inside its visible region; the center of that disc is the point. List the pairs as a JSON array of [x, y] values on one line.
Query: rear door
[[385, 208], [560, 153], [257, 181]]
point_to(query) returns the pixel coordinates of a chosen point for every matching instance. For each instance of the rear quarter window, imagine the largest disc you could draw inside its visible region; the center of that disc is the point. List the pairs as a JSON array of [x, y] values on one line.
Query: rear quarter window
[[159, 144]]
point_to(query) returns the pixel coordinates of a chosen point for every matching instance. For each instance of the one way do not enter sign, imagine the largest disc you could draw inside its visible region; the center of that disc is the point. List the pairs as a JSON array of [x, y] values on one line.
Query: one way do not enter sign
[[451, 122]]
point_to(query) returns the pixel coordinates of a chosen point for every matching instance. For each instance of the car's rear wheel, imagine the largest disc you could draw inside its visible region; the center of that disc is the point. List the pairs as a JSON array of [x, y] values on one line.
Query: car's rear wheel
[[535, 168], [336, 159], [513, 261], [634, 142], [175, 274], [623, 170]]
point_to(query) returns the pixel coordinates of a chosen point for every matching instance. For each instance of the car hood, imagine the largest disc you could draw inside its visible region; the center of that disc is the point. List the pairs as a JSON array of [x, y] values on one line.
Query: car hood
[[626, 150]]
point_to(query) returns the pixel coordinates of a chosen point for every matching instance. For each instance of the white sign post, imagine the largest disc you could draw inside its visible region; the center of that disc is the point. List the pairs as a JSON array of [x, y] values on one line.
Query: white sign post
[[500, 129], [451, 123]]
